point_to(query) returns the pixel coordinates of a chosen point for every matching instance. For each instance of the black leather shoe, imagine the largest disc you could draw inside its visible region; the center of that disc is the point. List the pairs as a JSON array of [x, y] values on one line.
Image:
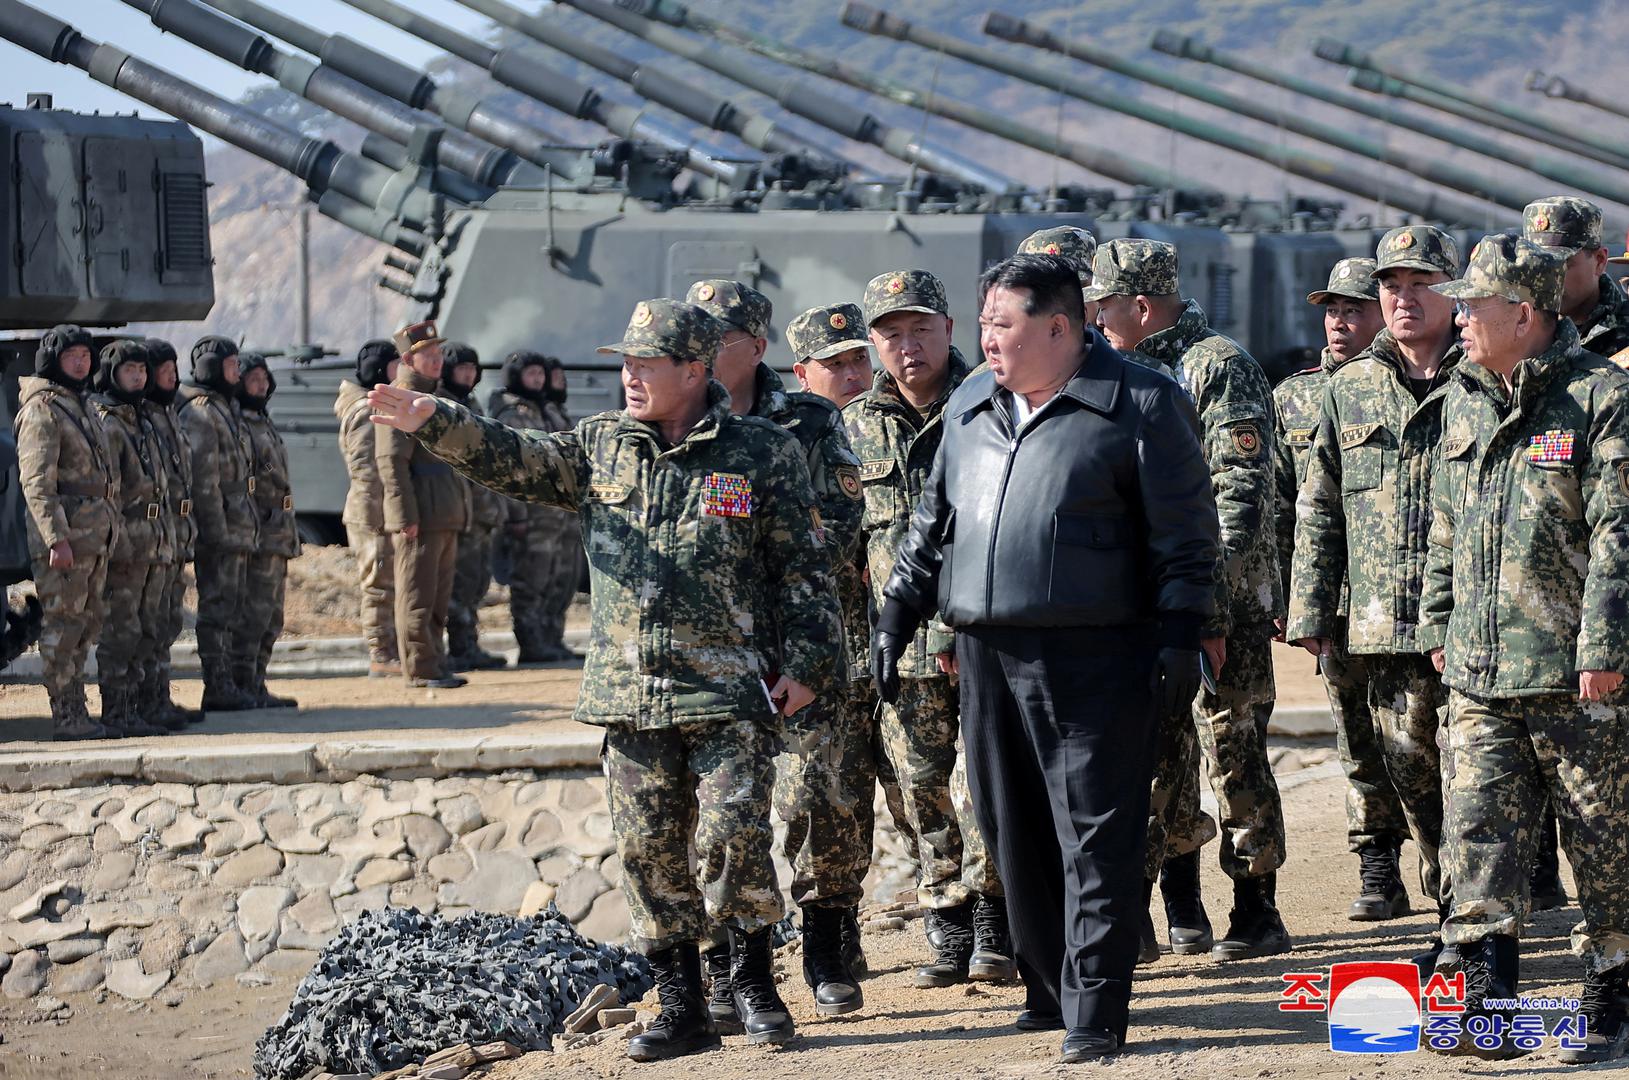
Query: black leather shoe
[[1035, 1020], [1087, 1044], [1148, 946], [1186, 921]]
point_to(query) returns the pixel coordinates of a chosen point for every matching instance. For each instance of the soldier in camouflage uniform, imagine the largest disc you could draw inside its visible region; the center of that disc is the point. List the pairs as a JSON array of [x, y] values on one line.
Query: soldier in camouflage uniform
[[376, 361], [815, 795], [708, 576], [473, 576], [223, 502], [1375, 825], [541, 540], [133, 595], [1075, 246], [1143, 315], [1363, 516], [895, 428], [1527, 582], [174, 456], [70, 487], [279, 538]]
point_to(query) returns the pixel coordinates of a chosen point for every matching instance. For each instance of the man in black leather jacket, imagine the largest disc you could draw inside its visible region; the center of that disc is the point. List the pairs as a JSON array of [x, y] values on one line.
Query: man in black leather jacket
[[1068, 534]]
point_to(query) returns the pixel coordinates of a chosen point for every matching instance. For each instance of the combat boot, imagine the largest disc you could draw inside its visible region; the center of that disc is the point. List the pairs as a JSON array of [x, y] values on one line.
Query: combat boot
[[264, 697], [221, 693], [950, 936], [836, 990], [119, 713], [151, 708], [73, 724], [752, 978], [1381, 894], [1436, 954], [1544, 886], [1491, 966], [720, 995], [1605, 1004], [166, 698], [1254, 926], [682, 1026], [1185, 917], [853, 947], [1148, 946], [475, 659], [992, 957]]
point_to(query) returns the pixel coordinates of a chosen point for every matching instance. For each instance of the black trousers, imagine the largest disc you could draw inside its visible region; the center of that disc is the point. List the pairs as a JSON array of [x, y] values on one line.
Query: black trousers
[[1059, 728]]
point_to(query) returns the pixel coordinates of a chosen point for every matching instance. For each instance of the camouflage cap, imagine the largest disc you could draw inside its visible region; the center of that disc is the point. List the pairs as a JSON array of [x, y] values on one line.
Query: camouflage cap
[[737, 306], [1133, 268], [667, 327], [1351, 278], [415, 336], [1417, 247], [1563, 223], [1074, 246], [904, 290], [826, 331], [1513, 267]]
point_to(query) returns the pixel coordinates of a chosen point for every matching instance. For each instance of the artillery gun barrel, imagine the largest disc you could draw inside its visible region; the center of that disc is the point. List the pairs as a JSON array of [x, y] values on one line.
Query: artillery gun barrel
[[482, 119], [1097, 159], [1427, 204], [1426, 167], [1435, 93], [485, 164], [394, 155], [1611, 187], [326, 169], [527, 71], [1556, 87], [802, 98], [664, 87]]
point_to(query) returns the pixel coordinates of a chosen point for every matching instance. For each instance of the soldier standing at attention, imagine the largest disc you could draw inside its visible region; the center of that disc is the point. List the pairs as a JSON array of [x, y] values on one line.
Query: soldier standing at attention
[[426, 505], [223, 490], [131, 599], [1144, 316], [828, 856], [707, 578], [1375, 824], [279, 538], [71, 490], [1527, 582], [473, 575], [1364, 514], [895, 429], [364, 515], [175, 459], [537, 536]]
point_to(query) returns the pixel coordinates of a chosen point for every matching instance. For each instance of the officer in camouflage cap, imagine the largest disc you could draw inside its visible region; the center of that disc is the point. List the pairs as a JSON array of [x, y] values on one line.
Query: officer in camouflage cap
[[1142, 313], [1591, 298], [1525, 592], [831, 352], [1375, 825], [707, 576], [1362, 519], [1073, 245], [895, 428], [814, 794]]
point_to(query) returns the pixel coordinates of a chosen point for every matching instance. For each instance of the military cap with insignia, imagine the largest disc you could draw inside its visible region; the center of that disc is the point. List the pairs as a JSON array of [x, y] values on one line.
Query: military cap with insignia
[[1351, 278], [737, 306], [1417, 247], [904, 290], [1133, 268], [415, 336], [668, 327], [826, 331], [1563, 223], [1514, 268], [1073, 245]]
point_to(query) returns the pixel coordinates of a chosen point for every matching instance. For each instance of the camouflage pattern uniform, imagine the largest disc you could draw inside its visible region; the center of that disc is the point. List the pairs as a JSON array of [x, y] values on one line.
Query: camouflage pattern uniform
[[1073, 245], [364, 514], [920, 732], [1526, 585], [815, 794], [133, 597], [223, 502], [1362, 520], [1236, 420], [472, 575], [1566, 224], [1374, 816], [697, 554], [175, 458], [279, 542], [71, 490]]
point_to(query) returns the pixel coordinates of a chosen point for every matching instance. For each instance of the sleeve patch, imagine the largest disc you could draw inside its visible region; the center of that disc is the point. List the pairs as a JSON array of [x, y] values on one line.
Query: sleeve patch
[[848, 478], [1246, 439]]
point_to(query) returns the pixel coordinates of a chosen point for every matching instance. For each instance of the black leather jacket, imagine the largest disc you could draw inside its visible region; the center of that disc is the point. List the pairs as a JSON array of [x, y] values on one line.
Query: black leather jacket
[[1097, 514]]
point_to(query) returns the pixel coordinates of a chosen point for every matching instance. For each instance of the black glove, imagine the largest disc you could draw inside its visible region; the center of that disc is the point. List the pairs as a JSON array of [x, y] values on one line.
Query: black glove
[[886, 649], [1175, 682]]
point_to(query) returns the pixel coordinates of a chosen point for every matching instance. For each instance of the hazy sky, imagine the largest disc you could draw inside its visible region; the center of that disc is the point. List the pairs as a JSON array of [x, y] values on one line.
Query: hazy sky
[[116, 23]]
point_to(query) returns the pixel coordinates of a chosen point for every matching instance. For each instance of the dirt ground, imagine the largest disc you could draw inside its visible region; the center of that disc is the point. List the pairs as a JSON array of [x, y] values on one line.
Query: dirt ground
[[1190, 1017]]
